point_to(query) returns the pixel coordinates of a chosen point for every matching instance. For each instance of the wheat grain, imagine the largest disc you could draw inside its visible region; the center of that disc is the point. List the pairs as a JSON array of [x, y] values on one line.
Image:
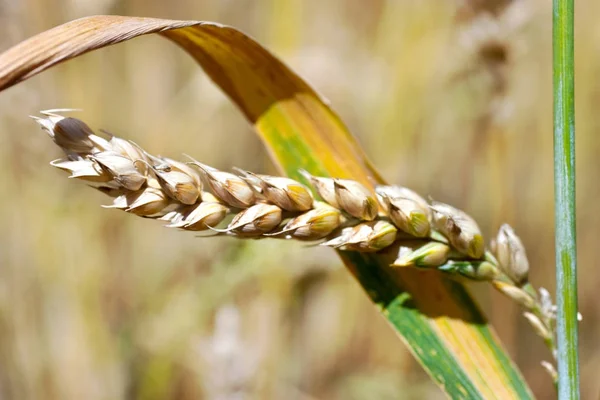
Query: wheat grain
[[350, 217]]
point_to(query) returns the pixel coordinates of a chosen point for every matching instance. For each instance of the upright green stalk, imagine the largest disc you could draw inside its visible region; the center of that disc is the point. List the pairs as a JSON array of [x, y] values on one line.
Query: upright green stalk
[[564, 186]]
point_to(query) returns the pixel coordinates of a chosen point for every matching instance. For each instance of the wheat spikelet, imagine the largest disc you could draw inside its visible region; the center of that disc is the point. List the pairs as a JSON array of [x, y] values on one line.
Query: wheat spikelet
[[196, 197]]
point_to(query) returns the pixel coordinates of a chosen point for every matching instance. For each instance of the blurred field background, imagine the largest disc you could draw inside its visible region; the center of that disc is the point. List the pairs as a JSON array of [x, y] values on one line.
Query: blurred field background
[[452, 99]]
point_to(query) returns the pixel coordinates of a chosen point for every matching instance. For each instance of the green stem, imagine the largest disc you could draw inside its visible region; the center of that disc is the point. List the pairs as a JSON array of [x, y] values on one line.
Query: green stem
[[564, 186]]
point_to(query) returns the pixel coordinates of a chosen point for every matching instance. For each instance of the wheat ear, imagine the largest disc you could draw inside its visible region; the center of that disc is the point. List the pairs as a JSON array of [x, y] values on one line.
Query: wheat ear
[[196, 197]]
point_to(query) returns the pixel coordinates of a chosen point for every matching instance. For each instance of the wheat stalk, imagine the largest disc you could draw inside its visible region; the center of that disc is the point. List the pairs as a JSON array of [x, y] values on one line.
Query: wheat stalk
[[196, 197]]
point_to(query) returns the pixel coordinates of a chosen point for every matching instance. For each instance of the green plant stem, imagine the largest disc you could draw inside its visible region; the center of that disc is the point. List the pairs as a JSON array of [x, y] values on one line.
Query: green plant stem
[[564, 187]]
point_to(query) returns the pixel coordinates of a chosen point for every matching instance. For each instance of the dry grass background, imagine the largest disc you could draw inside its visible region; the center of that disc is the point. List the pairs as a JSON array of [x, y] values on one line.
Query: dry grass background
[[447, 98]]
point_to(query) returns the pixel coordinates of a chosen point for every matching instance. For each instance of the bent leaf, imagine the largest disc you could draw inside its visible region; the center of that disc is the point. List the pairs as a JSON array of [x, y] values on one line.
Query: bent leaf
[[435, 317]]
